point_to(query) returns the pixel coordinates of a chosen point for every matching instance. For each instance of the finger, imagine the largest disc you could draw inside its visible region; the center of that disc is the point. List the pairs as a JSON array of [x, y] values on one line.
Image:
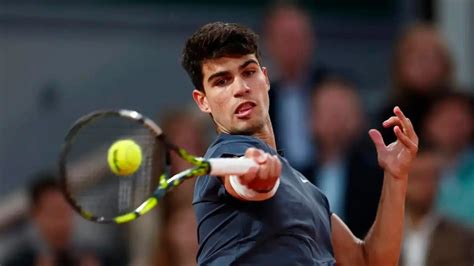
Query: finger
[[411, 146], [377, 140], [264, 172], [276, 172], [258, 155], [249, 176], [412, 134], [405, 124], [262, 159], [276, 166], [262, 180], [271, 168], [252, 152], [392, 121]]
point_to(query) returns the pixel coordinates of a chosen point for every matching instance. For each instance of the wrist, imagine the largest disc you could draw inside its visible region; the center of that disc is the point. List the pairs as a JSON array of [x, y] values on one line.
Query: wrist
[[250, 194], [399, 176], [396, 181]]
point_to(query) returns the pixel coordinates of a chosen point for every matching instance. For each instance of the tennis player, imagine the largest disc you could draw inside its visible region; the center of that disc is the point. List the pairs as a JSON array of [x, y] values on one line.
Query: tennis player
[[273, 215]]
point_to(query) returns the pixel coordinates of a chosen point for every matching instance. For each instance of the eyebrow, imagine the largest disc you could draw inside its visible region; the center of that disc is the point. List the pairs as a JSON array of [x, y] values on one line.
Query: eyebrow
[[223, 73]]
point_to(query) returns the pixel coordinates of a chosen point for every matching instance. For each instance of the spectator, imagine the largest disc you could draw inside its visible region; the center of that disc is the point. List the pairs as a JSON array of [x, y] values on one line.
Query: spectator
[[345, 170], [290, 39], [432, 239], [52, 220], [178, 241], [449, 127], [421, 69], [190, 131]]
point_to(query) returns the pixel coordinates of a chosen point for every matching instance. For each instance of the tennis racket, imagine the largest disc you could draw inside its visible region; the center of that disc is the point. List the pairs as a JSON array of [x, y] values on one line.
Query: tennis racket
[[98, 194]]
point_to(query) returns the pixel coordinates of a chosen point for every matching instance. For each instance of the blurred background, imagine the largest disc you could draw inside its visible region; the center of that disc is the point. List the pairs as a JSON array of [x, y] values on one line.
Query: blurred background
[[336, 67]]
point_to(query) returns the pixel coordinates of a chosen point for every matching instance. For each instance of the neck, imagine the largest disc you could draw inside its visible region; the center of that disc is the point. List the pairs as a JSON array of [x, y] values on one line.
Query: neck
[[266, 134]]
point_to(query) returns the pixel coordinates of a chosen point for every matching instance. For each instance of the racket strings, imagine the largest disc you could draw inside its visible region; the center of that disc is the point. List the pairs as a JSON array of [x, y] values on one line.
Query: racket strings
[[89, 180]]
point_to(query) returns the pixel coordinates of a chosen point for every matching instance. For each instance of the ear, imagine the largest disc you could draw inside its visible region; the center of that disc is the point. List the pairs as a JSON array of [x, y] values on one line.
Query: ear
[[201, 101], [265, 73]]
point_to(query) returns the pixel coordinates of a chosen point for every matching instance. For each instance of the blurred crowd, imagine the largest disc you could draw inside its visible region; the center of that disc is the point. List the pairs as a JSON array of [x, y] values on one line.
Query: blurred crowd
[[321, 125]]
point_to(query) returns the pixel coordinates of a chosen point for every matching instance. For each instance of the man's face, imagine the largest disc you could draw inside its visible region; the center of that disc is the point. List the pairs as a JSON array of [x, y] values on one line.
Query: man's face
[[336, 115], [235, 94], [53, 216], [450, 126], [290, 40], [423, 65]]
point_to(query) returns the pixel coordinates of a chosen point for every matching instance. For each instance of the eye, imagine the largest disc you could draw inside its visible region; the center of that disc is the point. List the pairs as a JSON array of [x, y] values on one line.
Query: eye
[[221, 82], [248, 73]]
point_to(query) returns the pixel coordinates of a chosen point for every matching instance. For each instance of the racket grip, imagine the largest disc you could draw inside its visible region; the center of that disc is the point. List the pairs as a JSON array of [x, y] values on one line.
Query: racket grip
[[230, 166]]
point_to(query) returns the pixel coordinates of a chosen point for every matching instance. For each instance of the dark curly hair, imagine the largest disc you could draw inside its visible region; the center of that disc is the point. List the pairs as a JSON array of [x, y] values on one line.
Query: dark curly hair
[[215, 40]]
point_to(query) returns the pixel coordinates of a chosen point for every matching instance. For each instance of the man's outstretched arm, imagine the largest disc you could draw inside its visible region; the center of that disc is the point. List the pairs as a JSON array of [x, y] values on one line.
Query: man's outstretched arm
[[382, 244]]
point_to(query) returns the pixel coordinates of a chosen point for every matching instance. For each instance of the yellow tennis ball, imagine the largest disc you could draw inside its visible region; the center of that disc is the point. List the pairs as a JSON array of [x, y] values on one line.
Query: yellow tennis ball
[[124, 157]]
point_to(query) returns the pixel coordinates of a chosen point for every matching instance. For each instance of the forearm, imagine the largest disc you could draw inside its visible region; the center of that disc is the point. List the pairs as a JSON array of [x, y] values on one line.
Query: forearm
[[382, 244]]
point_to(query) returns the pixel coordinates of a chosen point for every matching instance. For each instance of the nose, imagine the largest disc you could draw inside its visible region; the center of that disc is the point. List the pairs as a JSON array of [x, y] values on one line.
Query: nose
[[241, 87]]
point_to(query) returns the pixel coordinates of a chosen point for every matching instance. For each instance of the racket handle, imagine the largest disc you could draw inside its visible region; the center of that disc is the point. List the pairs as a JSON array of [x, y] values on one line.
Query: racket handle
[[230, 166]]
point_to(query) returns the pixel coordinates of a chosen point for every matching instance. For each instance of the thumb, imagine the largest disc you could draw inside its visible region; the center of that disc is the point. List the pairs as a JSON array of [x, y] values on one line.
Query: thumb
[[377, 139]]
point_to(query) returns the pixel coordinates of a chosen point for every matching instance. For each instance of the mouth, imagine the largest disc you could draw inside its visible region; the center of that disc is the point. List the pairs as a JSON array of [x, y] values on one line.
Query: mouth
[[244, 109]]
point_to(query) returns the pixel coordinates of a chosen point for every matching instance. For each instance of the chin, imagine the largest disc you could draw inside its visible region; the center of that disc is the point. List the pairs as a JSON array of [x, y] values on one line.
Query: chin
[[248, 129]]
